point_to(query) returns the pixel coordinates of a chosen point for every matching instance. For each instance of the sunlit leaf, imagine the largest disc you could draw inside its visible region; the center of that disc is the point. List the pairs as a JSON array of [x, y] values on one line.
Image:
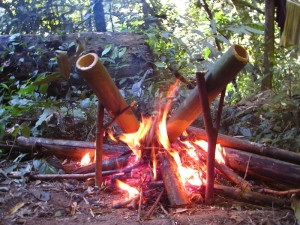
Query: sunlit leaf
[[160, 64], [122, 52], [106, 50], [47, 112]]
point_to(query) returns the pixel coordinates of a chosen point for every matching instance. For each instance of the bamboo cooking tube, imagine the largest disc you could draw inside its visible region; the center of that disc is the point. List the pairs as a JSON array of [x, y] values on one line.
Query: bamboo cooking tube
[[99, 80], [223, 72]]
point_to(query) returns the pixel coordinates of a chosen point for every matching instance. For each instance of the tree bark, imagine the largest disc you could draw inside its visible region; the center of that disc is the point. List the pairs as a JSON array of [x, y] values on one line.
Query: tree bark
[[74, 149], [176, 192], [224, 71], [250, 196], [263, 167], [227, 141], [269, 58]]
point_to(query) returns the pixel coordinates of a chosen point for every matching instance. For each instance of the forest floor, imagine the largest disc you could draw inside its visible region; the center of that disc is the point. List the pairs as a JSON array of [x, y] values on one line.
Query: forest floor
[[78, 202], [40, 202]]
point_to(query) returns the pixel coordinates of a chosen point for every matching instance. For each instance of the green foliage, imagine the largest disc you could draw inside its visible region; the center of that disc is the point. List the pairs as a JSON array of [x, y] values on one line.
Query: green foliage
[[184, 37]]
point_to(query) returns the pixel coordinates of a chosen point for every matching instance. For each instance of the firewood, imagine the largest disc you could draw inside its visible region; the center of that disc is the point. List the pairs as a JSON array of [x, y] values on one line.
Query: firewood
[[175, 190], [99, 80], [262, 166], [250, 196], [107, 164], [228, 141], [224, 71], [259, 166], [70, 148]]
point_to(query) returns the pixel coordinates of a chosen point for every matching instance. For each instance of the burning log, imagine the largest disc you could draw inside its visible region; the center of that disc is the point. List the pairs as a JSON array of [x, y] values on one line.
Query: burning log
[[261, 166], [228, 66], [99, 80], [227, 141], [107, 164], [76, 149], [176, 193]]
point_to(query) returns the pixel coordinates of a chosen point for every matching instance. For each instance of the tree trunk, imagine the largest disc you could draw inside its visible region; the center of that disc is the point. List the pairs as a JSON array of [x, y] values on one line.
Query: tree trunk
[[266, 82], [99, 15]]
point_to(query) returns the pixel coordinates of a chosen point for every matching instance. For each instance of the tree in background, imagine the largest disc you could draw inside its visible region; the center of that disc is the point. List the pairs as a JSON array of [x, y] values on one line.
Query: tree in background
[[99, 16]]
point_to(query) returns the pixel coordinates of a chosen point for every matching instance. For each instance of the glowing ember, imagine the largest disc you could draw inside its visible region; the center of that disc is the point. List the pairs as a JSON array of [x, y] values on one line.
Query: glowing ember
[[132, 192], [133, 140], [86, 160], [219, 150]]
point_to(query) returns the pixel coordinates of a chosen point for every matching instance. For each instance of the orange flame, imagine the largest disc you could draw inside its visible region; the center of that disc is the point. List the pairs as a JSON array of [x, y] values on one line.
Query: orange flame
[[86, 160], [133, 140], [187, 174], [219, 150], [111, 136], [132, 192]]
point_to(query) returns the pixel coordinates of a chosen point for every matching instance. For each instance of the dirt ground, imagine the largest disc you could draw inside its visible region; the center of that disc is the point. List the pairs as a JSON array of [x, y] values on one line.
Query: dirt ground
[[72, 202]]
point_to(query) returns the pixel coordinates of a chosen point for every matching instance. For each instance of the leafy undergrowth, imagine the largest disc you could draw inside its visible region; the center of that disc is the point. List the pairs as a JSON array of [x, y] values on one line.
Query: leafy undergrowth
[[267, 118]]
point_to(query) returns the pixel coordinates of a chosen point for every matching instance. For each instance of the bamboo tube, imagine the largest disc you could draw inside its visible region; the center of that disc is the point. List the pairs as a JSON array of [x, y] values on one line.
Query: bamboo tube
[[99, 80], [224, 71]]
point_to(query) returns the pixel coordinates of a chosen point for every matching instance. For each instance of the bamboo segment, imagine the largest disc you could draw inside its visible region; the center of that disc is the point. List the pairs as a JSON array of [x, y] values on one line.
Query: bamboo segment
[[99, 80], [224, 71]]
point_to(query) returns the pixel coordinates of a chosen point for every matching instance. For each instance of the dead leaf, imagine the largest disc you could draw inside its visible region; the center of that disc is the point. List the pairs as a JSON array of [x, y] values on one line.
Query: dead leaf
[[18, 206]]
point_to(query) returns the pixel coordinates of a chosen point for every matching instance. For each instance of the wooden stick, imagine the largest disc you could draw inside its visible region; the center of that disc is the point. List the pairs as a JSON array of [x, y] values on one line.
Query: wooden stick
[[228, 141], [99, 144], [176, 193], [243, 184], [107, 164], [249, 196], [288, 192], [231, 175], [224, 71], [212, 137], [70, 176], [99, 80], [155, 204]]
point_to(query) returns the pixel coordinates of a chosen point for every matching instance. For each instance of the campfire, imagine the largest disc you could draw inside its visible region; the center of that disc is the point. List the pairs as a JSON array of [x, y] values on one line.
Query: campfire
[[190, 164]]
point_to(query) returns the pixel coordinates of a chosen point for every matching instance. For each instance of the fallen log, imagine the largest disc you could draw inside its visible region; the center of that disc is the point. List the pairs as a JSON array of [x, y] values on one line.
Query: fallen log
[[99, 80], [232, 142], [250, 196], [262, 166], [223, 72], [75, 149]]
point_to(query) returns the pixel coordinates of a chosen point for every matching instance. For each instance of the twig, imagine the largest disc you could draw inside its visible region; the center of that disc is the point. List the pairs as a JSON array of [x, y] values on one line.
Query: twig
[[155, 204], [69, 176], [118, 115], [140, 205], [167, 214], [99, 144], [247, 168], [292, 191]]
